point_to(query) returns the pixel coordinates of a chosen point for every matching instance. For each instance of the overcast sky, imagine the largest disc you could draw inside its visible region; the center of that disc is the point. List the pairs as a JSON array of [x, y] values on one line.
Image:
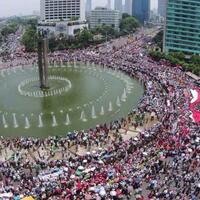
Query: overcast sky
[[24, 7]]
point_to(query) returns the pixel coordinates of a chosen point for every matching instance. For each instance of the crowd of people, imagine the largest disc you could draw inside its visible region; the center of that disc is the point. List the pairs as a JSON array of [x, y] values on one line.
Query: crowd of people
[[162, 162]]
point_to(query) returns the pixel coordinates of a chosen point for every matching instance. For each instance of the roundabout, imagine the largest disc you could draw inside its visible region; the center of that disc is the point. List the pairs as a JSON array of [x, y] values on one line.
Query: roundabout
[[154, 140], [80, 97]]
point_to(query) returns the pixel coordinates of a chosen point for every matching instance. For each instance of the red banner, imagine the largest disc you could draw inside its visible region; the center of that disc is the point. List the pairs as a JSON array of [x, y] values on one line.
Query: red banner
[[195, 105]]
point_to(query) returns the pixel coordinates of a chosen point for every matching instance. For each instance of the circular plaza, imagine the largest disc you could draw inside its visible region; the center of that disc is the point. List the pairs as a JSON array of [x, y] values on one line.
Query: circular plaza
[[80, 96]]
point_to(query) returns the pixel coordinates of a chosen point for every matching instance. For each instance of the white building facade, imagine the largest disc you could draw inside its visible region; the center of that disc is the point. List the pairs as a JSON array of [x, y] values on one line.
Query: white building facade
[[118, 5], [54, 10], [108, 4], [88, 6], [128, 7], [62, 16], [104, 16]]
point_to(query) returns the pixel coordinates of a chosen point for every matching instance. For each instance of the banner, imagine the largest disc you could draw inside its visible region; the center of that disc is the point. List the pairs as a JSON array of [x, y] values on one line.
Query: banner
[[195, 105]]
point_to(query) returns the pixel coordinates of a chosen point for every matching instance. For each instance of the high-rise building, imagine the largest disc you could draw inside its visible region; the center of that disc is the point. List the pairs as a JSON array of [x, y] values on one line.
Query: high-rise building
[[128, 7], [104, 16], [182, 28], [118, 5], [88, 6], [162, 4], [55, 10], [62, 17], [141, 10], [108, 4]]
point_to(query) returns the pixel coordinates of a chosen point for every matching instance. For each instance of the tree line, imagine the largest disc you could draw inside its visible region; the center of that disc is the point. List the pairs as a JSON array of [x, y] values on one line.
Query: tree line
[[191, 64], [82, 38]]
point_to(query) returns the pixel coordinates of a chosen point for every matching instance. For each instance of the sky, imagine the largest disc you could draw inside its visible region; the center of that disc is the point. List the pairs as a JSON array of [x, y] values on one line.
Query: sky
[[25, 7]]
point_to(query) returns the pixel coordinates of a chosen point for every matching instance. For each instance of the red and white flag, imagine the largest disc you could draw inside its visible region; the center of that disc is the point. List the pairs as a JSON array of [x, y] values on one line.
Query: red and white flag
[[195, 105]]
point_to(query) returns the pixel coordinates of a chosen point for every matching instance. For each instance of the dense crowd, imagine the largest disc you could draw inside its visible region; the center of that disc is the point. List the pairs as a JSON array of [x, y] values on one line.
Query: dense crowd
[[162, 162]]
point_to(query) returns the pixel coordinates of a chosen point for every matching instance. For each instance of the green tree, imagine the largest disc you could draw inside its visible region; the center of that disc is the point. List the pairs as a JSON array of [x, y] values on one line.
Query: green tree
[[195, 59], [105, 30], [84, 37], [125, 15], [178, 55], [129, 24], [74, 18], [10, 28], [1, 39], [29, 38], [158, 39]]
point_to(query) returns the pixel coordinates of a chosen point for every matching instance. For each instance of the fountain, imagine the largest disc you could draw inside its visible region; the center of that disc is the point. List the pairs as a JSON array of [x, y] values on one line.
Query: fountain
[[4, 121], [90, 97], [102, 110], [110, 108], [68, 64], [75, 63], [124, 96], [67, 121], [40, 122], [93, 113], [15, 124], [61, 63], [83, 116], [118, 102], [54, 124], [129, 90], [27, 123]]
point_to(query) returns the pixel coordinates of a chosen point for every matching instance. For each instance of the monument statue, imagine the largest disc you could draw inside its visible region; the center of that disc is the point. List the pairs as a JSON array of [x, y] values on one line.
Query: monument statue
[[43, 60]]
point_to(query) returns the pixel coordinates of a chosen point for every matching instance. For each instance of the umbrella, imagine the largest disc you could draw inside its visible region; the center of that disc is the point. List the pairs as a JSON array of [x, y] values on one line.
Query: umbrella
[[113, 193], [78, 173], [80, 168], [106, 156], [6, 195], [102, 192], [28, 198], [146, 135], [145, 153], [138, 196], [110, 174], [93, 168], [88, 196], [16, 198], [72, 176], [97, 189], [92, 189], [65, 169], [116, 180], [100, 162], [197, 140]]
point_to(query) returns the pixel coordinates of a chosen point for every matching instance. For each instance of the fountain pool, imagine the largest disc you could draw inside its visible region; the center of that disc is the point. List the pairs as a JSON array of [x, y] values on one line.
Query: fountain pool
[[80, 97]]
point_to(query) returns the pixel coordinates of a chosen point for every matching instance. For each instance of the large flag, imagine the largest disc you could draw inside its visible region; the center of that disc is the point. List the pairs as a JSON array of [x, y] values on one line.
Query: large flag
[[195, 104]]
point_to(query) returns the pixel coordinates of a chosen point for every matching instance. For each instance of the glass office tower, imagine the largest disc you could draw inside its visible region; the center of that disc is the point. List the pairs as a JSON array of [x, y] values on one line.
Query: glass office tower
[[141, 10], [182, 28]]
